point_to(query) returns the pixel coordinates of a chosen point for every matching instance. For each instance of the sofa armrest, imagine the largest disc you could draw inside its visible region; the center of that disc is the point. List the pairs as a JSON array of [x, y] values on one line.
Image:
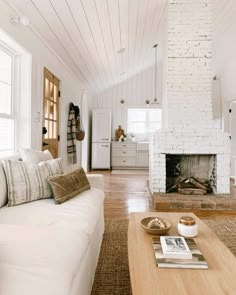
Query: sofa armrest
[[96, 181]]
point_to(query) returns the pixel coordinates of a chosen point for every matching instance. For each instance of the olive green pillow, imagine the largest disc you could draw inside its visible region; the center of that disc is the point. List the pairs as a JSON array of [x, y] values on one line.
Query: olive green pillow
[[68, 185]]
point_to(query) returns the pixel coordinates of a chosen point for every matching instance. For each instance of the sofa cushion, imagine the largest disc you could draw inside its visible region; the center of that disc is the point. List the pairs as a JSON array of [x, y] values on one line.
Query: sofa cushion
[[68, 185], [37, 257], [82, 211], [53, 244], [34, 156], [27, 182]]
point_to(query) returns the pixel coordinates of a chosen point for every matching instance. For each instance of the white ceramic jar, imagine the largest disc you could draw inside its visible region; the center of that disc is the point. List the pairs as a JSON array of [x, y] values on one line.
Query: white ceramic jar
[[187, 227]]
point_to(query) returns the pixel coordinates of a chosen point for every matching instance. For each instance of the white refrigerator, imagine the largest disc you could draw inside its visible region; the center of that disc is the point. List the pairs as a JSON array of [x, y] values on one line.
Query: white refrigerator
[[101, 139]]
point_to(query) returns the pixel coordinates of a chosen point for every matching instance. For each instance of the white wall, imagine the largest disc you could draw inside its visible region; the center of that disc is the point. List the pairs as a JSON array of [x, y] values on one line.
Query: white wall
[[224, 58], [135, 91], [71, 88], [224, 63], [85, 122]]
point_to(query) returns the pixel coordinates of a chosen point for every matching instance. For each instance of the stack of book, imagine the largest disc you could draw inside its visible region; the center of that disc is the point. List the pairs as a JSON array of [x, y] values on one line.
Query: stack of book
[[177, 252]]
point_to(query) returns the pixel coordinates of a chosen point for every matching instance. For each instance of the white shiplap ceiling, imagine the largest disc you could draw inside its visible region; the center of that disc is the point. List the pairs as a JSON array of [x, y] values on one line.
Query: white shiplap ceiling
[[87, 35]]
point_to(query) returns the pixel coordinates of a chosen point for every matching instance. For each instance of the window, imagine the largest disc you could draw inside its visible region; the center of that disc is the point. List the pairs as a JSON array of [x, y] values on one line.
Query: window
[[142, 122], [15, 96], [7, 114]]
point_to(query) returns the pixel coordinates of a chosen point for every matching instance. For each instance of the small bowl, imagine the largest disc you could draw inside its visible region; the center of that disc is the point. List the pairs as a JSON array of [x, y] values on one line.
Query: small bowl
[[155, 231]]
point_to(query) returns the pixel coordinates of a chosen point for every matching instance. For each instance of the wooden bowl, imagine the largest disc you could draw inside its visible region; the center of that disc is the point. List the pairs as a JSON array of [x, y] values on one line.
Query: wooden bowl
[[155, 231]]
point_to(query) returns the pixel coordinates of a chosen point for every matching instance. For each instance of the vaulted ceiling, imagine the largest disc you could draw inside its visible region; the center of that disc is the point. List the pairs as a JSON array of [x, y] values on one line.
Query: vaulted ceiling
[[102, 41]]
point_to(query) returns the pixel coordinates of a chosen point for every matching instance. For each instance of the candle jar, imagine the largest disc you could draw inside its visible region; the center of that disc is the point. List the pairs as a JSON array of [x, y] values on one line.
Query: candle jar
[[187, 227]]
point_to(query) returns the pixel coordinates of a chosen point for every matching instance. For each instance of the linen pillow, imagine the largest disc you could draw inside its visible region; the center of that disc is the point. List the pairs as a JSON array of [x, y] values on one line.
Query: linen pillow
[[3, 187], [27, 182], [3, 181], [68, 185], [33, 156]]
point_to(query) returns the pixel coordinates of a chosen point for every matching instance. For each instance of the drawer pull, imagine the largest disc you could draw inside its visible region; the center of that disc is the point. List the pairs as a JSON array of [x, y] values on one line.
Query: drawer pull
[[124, 161], [124, 152], [124, 145], [104, 138], [103, 145]]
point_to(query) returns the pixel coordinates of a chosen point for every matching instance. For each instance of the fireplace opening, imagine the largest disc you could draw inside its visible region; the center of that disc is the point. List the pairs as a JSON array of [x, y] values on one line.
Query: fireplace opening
[[191, 174]]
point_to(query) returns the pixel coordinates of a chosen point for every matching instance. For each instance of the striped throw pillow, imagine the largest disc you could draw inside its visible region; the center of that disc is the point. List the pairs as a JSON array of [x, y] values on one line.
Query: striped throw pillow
[[27, 182]]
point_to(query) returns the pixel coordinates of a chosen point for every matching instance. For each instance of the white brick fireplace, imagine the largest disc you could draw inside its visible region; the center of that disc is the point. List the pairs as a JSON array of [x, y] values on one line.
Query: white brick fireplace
[[190, 127]]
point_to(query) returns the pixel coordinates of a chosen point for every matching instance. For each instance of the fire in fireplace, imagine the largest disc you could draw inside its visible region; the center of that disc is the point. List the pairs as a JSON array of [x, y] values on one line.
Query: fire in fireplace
[[191, 174]]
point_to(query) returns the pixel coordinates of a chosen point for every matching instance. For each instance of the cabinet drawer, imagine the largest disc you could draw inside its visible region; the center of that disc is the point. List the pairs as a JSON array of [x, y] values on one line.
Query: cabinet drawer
[[123, 146], [142, 159], [123, 153], [124, 161]]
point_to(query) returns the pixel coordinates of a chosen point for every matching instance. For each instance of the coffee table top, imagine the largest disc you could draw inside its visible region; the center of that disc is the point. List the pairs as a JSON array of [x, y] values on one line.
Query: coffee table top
[[148, 279]]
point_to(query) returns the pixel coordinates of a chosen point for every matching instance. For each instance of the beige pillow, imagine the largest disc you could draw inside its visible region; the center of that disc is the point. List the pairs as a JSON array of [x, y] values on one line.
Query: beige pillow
[[27, 182], [34, 156], [3, 180], [3, 187], [68, 185]]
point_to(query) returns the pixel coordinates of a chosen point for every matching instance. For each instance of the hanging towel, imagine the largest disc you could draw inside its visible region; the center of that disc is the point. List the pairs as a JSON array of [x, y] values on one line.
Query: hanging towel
[[71, 134]]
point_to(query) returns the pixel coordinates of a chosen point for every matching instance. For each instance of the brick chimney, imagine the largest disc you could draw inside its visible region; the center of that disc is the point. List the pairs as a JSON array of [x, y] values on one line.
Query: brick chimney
[[189, 59], [188, 102]]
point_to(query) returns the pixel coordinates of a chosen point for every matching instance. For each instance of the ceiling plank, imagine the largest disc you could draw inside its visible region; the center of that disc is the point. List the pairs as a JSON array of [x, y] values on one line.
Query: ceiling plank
[[83, 61], [124, 10], [148, 42], [155, 33], [47, 12], [114, 17], [133, 21], [102, 15], [39, 27], [90, 13], [87, 35]]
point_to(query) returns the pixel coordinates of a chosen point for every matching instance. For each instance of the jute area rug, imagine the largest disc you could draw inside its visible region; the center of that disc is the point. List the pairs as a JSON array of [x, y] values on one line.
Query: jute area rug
[[112, 274]]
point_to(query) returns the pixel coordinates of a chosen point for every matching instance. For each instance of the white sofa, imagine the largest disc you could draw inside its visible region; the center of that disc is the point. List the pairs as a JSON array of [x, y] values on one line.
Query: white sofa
[[48, 249]]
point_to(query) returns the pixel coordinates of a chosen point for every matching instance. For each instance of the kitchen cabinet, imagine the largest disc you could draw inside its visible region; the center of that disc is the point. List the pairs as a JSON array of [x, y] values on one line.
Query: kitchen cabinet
[[123, 154], [143, 154], [130, 155], [142, 159]]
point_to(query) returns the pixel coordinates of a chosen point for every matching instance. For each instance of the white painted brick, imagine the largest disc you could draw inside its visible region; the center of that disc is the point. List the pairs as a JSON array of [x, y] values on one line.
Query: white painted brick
[[191, 129]]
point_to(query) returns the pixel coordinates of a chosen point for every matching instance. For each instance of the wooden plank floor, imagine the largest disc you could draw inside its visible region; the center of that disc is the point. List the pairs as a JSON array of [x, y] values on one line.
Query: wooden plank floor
[[127, 193]]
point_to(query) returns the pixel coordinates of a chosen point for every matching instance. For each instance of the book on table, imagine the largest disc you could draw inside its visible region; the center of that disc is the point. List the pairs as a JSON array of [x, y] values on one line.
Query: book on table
[[175, 247], [197, 262]]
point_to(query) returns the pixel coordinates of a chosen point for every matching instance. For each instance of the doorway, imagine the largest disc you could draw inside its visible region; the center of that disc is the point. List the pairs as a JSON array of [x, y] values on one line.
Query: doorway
[[51, 113], [233, 136]]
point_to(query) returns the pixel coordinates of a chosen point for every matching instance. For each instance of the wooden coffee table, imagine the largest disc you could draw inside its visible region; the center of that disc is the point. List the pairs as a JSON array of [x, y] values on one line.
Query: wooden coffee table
[[148, 279]]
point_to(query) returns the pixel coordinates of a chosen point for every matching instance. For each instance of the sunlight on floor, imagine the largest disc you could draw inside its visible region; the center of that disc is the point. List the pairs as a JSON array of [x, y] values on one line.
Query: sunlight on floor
[[137, 205]]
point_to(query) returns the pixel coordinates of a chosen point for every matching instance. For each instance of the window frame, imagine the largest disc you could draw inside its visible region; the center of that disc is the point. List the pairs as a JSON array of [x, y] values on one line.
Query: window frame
[[14, 114]]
